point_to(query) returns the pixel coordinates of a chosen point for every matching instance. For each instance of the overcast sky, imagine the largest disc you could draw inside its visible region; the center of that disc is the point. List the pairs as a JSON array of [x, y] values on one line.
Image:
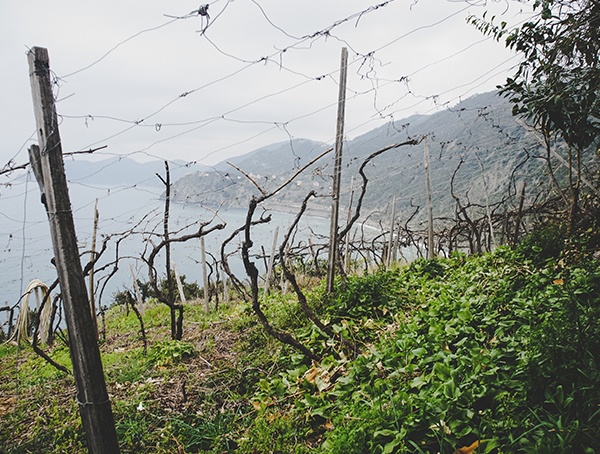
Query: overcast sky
[[148, 85]]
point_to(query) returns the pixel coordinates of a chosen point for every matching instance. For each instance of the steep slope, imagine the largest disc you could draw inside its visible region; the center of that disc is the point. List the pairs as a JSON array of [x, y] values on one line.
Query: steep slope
[[276, 158], [479, 137], [479, 152], [268, 167]]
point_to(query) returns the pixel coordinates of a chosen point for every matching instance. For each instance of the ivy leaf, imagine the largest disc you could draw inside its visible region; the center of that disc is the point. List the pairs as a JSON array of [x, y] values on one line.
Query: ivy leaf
[[418, 382]]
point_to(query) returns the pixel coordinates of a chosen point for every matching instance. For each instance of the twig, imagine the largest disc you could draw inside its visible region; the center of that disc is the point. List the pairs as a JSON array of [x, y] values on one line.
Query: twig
[[262, 191], [9, 169]]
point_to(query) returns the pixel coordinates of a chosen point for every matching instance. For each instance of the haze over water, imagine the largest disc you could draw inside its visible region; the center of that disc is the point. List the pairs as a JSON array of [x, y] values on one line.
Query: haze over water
[[27, 247]]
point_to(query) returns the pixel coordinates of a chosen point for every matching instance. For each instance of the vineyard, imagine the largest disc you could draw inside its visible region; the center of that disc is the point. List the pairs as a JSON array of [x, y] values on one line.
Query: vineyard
[[431, 286], [497, 351]]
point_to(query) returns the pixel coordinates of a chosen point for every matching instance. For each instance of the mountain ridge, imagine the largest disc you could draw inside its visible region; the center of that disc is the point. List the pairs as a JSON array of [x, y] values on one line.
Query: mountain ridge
[[480, 155], [475, 147]]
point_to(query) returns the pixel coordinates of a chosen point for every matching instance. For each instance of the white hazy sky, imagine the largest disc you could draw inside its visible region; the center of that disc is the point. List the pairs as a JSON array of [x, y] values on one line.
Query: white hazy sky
[[147, 85]]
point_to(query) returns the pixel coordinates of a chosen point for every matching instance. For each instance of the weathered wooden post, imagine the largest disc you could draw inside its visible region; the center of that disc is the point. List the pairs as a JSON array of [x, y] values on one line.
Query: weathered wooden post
[[337, 171], [179, 283], [136, 289], [48, 165], [430, 243], [519, 213], [92, 259], [271, 262], [347, 239], [204, 274], [390, 257], [225, 289]]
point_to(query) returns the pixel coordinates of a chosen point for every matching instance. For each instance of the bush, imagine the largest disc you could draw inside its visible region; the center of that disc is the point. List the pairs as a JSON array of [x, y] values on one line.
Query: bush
[[170, 352], [491, 347], [545, 242]]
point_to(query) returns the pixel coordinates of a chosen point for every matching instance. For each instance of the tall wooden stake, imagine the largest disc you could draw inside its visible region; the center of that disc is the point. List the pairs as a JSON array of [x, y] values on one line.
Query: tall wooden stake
[[519, 214], [337, 172], [48, 165], [138, 294], [204, 273], [347, 245], [489, 214], [92, 258], [390, 258], [271, 261], [430, 247], [179, 284], [225, 289]]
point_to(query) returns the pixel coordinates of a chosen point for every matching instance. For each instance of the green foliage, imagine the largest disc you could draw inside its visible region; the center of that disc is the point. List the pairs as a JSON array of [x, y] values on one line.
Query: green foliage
[[170, 352], [364, 296], [557, 84], [125, 367], [155, 315], [492, 348], [191, 290], [141, 428], [202, 434], [284, 310], [133, 427], [56, 426], [7, 349], [545, 242], [274, 433], [501, 348]]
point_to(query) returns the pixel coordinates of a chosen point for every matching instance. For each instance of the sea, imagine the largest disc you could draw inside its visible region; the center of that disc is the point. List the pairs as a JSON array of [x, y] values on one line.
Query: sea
[[131, 217]]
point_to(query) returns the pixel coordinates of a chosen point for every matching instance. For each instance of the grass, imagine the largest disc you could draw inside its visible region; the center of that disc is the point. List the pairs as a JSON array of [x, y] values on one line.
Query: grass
[[499, 349]]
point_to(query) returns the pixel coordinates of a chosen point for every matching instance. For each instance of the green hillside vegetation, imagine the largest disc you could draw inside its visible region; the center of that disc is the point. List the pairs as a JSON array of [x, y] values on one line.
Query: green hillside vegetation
[[496, 352]]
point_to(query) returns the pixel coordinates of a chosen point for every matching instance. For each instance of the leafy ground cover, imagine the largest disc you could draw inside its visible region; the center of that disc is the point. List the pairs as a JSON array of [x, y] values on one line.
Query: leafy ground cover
[[496, 353]]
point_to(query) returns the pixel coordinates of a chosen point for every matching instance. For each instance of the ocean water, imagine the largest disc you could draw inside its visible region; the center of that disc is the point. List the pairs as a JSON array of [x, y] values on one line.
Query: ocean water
[[133, 215]]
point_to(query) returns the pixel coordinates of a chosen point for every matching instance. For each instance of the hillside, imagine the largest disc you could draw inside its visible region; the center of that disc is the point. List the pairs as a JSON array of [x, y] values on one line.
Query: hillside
[[479, 134], [496, 353], [269, 166]]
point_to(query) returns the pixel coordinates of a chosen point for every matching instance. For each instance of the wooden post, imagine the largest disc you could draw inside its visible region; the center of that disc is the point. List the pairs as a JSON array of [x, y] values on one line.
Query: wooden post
[[489, 215], [337, 172], [347, 239], [284, 282], [313, 254], [94, 404], [391, 242], [92, 258], [271, 261], [225, 289], [204, 273], [488, 212], [179, 284], [138, 293], [519, 214], [430, 247]]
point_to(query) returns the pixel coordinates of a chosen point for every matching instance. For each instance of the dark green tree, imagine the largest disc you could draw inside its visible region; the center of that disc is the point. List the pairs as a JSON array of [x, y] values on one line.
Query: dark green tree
[[557, 84]]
